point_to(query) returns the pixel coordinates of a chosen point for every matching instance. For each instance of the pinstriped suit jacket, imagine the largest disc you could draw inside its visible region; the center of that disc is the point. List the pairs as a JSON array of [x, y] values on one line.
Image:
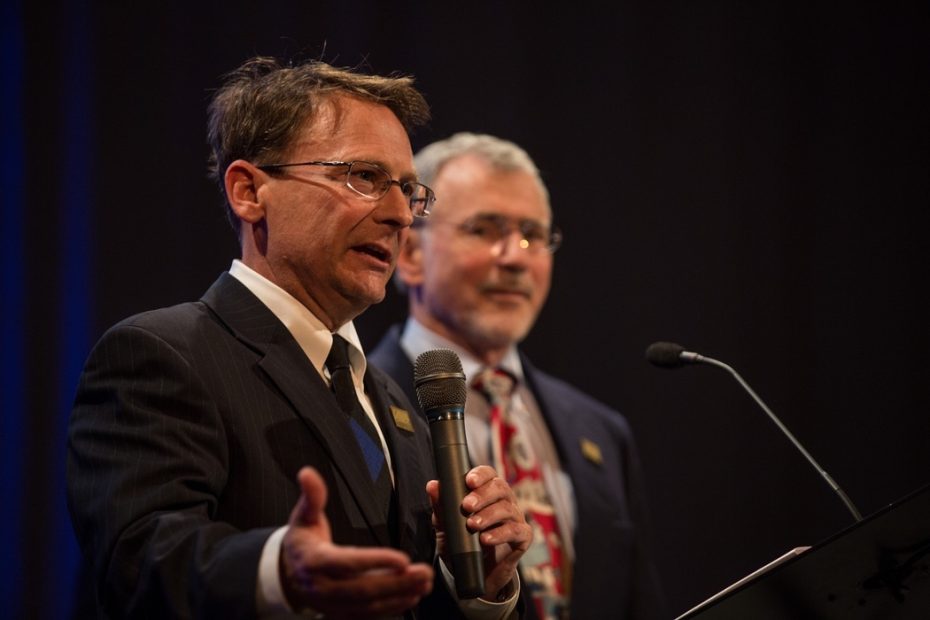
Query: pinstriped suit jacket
[[189, 426]]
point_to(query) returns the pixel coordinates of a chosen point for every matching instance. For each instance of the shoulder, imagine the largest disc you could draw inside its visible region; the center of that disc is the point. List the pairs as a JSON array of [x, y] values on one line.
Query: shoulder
[[557, 395], [179, 327], [188, 324], [387, 354], [387, 382], [389, 357]]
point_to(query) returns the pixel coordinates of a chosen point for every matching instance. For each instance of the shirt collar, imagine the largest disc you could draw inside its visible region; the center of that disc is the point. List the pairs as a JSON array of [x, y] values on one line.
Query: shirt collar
[[310, 333], [417, 338]]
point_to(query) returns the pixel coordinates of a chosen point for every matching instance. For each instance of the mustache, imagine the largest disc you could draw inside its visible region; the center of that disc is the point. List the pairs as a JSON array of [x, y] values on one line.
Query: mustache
[[517, 286]]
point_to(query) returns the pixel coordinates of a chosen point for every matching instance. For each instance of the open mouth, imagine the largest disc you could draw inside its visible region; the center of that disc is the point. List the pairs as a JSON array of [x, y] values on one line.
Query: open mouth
[[375, 251]]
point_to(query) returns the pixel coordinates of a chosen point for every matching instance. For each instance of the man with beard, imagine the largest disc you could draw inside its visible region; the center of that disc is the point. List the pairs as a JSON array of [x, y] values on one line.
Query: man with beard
[[476, 275]]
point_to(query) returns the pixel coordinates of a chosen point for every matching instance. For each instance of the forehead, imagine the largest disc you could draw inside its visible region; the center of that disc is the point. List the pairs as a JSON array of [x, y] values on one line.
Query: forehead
[[348, 128], [468, 185]]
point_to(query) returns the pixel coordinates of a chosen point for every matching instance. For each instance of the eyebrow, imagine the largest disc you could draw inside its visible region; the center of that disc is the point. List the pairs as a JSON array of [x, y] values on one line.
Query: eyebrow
[[489, 215], [403, 178]]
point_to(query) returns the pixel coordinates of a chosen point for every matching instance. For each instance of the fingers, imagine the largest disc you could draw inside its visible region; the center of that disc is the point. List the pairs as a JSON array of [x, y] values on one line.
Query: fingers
[[501, 524], [490, 504], [342, 581], [432, 489], [486, 489], [309, 509], [503, 531], [368, 594], [478, 476], [373, 593], [338, 562]]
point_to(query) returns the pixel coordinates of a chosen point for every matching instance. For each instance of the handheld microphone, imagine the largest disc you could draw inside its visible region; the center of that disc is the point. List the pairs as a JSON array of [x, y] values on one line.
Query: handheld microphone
[[440, 386], [671, 355]]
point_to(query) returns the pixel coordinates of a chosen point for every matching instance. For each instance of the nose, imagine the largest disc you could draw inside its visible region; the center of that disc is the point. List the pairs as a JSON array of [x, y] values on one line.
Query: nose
[[511, 249], [394, 207]]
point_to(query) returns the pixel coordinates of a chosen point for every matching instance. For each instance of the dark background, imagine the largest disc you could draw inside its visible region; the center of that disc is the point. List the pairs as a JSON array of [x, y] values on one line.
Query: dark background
[[750, 181]]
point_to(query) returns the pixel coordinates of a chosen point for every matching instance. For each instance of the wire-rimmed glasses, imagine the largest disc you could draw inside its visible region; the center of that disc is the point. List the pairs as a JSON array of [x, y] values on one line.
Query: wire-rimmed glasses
[[371, 181], [494, 231]]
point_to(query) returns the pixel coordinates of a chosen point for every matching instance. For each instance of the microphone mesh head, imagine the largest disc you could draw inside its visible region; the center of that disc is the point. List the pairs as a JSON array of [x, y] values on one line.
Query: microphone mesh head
[[665, 354], [435, 388]]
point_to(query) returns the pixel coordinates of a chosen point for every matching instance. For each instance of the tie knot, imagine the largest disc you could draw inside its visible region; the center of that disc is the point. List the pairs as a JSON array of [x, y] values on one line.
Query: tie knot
[[496, 384], [338, 354]]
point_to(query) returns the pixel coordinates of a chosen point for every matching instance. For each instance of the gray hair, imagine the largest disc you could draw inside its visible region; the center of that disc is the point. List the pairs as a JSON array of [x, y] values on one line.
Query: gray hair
[[500, 154]]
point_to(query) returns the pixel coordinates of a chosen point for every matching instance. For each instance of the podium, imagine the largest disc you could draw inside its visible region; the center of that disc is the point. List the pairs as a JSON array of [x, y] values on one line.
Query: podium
[[877, 569]]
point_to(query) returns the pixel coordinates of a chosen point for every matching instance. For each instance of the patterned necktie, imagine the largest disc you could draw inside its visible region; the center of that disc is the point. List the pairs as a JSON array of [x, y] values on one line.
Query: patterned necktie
[[340, 371], [516, 461]]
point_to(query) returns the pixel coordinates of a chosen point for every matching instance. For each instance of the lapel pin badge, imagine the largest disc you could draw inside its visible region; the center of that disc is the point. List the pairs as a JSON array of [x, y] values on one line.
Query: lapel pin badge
[[591, 451], [401, 419]]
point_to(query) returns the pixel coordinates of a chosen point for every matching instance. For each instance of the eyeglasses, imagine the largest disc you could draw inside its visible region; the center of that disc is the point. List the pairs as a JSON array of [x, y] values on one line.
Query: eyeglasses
[[494, 230], [371, 181]]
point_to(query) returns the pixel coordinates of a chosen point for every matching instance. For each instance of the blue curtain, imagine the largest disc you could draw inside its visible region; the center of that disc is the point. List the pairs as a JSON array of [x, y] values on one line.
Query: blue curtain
[[12, 340], [46, 108], [74, 301]]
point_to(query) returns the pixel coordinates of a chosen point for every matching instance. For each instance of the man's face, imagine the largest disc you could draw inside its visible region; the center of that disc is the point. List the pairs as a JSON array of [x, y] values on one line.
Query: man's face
[[482, 296], [329, 247]]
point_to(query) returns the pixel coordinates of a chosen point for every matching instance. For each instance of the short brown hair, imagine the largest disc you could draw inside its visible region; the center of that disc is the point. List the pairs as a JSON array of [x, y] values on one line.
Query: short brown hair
[[262, 105]]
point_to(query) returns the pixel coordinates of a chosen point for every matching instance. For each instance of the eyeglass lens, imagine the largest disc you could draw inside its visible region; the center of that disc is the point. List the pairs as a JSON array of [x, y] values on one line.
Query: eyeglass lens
[[493, 229], [374, 182]]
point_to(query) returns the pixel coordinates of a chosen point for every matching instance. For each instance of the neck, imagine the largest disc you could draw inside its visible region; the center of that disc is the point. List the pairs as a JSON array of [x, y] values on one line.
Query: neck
[[488, 355], [331, 315]]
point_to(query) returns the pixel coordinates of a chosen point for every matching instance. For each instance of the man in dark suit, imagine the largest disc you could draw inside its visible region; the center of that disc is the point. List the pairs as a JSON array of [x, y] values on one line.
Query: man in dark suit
[[234, 457], [477, 274]]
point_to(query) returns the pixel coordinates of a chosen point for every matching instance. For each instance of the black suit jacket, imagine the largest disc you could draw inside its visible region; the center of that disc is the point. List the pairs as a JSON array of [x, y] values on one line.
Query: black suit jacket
[[188, 429], [613, 574]]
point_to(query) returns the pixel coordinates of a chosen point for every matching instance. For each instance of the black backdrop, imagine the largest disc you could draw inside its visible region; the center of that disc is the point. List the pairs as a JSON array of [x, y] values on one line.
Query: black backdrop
[[748, 180]]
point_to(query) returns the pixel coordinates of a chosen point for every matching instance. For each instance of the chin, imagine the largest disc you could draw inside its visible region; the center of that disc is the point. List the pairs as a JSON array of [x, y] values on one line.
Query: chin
[[365, 297], [496, 334]]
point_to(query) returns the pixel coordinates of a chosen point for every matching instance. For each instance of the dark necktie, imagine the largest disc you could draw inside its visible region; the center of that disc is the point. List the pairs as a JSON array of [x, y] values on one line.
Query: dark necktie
[[515, 460], [361, 425]]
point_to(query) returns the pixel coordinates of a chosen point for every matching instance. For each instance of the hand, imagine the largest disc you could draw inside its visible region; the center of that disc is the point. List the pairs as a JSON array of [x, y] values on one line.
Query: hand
[[342, 581], [493, 512]]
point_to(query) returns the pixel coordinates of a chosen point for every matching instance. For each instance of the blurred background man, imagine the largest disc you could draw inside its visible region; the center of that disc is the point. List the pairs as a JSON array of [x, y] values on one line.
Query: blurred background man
[[477, 275]]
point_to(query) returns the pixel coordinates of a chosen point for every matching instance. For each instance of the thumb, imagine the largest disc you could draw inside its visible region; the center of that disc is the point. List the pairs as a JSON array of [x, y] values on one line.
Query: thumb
[[309, 509]]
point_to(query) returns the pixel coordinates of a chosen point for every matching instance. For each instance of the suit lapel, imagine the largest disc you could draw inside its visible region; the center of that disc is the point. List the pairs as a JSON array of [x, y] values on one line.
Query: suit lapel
[[563, 427], [288, 368], [391, 358], [405, 456]]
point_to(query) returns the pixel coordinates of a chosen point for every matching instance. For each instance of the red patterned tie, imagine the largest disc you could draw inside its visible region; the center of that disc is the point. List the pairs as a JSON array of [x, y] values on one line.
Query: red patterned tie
[[516, 461]]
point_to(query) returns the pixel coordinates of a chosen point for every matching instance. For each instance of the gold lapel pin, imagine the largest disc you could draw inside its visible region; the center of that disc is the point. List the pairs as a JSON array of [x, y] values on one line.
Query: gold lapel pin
[[591, 451], [402, 419]]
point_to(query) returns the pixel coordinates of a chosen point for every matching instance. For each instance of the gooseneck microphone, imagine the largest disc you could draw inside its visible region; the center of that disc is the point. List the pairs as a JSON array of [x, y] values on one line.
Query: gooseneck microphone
[[671, 355], [440, 386]]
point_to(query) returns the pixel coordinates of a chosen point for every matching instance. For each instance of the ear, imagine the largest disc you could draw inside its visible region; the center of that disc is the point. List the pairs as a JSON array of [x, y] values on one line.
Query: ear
[[410, 261], [243, 181]]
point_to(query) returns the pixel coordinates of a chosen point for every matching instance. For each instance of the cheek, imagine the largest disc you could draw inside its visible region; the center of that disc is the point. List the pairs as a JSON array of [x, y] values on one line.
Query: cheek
[[450, 282], [450, 270], [542, 277]]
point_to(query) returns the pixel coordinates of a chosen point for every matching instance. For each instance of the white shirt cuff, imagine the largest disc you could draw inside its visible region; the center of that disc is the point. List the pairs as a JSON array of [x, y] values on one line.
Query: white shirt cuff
[[478, 608], [269, 595]]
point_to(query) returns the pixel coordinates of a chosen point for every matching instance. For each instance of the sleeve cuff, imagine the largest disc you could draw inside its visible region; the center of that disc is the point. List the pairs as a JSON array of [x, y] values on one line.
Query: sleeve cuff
[[269, 595], [479, 608]]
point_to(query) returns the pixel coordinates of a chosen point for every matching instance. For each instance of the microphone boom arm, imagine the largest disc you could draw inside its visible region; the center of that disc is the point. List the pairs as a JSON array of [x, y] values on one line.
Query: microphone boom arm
[[696, 358]]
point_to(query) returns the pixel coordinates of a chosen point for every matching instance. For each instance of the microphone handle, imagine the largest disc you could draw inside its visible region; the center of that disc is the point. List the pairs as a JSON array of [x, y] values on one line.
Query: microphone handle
[[696, 358], [450, 451]]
